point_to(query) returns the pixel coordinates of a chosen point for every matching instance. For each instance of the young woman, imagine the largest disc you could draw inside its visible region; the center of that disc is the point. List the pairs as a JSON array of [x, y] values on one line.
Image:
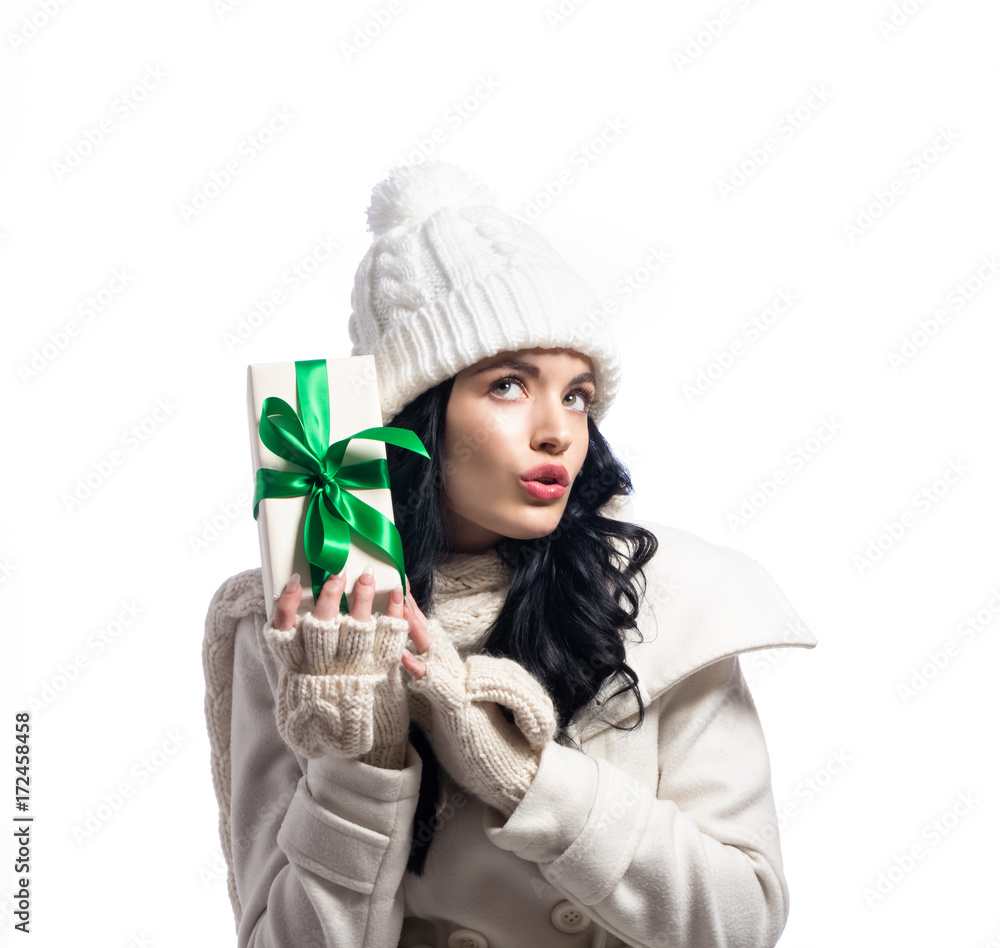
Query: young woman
[[567, 754]]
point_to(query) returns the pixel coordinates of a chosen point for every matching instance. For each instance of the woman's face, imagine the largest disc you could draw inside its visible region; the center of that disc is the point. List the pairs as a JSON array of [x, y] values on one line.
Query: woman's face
[[507, 416]]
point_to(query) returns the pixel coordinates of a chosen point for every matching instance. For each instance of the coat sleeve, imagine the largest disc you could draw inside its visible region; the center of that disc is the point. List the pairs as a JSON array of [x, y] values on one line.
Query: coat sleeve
[[319, 846], [692, 862]]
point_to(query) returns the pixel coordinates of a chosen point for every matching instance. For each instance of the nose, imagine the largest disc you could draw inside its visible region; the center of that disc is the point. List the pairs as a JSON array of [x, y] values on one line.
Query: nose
[[550, 426]]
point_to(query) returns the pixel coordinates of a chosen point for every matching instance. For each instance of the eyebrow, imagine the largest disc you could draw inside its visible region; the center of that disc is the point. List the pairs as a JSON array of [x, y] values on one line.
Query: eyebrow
[[531, 369]]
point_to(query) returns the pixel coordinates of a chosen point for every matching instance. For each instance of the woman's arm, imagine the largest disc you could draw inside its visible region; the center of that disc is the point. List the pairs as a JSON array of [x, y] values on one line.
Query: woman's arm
[[692, 862], [319, 846]]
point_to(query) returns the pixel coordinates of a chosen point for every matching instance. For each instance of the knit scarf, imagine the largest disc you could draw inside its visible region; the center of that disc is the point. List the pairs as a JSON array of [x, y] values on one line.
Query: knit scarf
[[469, 592]]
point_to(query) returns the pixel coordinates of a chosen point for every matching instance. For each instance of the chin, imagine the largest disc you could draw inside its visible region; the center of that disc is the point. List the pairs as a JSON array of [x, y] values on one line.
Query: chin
[[532, 529]]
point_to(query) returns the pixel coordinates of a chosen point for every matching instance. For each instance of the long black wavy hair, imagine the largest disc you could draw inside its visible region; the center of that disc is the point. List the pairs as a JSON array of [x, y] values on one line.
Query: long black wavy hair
[[572, 597]]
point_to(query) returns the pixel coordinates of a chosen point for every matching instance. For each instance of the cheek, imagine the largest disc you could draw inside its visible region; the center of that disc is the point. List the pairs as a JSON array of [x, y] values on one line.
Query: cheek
[[478, 457], [480, 465], [464, 445]]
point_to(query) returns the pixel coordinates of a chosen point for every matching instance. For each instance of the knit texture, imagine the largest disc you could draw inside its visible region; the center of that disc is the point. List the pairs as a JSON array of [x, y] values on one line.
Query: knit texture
[[458, 702], [484, 752], [450, 280], [469, 591], [238, 596], [340, 687]]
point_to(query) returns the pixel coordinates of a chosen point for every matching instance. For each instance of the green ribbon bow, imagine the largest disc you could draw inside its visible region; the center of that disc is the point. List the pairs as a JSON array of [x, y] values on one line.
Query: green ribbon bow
[[332, 513]]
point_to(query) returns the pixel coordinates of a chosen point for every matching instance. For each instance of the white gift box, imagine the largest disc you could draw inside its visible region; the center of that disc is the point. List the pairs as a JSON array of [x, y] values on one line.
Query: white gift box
[[354, 406]]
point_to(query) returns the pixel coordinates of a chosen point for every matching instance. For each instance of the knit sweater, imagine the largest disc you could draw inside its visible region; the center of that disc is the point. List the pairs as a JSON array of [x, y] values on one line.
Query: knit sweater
[[469, 591]]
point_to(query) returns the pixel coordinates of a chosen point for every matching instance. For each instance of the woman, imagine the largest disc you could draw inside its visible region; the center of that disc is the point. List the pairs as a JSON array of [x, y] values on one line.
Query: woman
[[569, 754]]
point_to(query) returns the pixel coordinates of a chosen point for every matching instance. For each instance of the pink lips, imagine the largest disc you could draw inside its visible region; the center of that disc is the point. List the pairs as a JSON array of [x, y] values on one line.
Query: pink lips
[[547, 481]]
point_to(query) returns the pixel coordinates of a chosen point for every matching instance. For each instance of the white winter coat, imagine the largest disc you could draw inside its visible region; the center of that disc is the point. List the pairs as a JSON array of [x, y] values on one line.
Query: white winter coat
[[663, 836]]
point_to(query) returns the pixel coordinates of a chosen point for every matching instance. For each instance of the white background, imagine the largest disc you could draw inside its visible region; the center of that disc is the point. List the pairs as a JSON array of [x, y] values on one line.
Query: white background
[[516, 92]]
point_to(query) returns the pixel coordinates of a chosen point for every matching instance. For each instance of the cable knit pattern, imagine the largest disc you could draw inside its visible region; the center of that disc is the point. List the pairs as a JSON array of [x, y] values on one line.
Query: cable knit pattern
[[240, 595], [458, 702], [469, 592], [340, 688]]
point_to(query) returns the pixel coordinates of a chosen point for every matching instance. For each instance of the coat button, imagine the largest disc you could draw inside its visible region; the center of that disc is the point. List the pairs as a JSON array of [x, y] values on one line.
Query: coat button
[[467, 938], [566, 917]]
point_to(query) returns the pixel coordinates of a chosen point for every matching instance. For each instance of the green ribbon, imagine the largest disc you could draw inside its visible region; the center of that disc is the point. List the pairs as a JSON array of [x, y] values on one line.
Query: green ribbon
[[332, 514]]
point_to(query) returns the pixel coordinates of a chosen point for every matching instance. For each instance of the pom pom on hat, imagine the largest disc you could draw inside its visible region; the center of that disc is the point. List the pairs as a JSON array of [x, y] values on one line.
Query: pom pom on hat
[[412, 193]]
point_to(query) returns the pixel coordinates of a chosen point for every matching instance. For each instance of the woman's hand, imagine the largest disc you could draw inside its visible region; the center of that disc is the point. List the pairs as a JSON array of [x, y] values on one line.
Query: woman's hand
[[419, 635], [328, 605], [341, 691], [458, 704]]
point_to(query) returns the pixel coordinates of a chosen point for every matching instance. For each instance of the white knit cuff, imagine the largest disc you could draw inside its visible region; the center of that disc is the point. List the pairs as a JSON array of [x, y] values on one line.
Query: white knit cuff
[[340, 690]]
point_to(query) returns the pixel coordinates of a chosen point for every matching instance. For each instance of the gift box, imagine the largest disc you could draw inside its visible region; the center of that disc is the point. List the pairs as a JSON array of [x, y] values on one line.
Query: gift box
[[321, 497]]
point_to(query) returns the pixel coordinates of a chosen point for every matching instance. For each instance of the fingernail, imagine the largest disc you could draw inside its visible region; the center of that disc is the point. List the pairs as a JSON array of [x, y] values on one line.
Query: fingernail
[[293, 582], [397, 595], [367, 575]]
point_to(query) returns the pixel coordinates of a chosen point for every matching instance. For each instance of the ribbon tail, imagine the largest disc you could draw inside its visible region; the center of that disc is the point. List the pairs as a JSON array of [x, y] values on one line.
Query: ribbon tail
[[371, 524], [327, 542]]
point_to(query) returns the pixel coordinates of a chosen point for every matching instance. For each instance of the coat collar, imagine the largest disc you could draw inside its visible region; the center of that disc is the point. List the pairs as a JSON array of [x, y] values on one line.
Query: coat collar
[[703, 603]]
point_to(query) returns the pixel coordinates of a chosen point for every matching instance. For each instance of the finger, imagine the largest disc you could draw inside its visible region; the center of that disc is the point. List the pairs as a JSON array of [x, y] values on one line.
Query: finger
[[364, 593], [395, 605], [328, 604], [409, 598], [419, 631], [413, 665], [288, 604]]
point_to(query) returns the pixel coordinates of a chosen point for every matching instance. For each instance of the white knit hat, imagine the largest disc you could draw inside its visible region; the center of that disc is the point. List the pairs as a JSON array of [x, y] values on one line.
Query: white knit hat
[[450, 280]]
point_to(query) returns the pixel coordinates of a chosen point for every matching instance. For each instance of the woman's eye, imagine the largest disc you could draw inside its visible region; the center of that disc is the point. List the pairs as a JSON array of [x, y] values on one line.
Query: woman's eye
[[583, 399], [502, 386]]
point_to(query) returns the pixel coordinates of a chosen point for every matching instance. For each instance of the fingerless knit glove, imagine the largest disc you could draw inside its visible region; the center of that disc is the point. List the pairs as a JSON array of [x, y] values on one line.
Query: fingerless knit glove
[[457, 704], [340, 687]]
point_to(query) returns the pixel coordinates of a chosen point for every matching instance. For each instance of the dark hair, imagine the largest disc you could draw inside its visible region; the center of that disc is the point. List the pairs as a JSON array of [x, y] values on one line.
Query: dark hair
[[572, 597]]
